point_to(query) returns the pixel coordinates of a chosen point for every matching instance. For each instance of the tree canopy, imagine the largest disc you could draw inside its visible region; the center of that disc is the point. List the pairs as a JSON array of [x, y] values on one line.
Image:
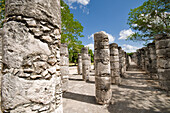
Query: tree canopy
[[71, 31], [2, 12], [150, 19]]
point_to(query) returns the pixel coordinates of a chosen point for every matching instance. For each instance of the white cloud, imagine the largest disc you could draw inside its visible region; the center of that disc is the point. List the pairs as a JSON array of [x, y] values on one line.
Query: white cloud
[[83, 2], [125, 33], [129, 48], [111, 37], [91, 46]]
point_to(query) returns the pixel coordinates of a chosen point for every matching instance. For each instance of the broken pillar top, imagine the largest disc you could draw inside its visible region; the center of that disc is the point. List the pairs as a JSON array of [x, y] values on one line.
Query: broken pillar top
[[113, 45], [84, 50], [99, 36]]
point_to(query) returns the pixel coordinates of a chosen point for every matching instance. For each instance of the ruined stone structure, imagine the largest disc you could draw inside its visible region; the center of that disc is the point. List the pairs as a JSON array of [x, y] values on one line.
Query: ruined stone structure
[[152, 61], [64, 66], [121, 60], [138, 60], [163, 60], [114, 63], [1, 34], [85, 63], [89, 63], [31, 80], [142, 61], [146, 59], [102, 68], [79, 68]]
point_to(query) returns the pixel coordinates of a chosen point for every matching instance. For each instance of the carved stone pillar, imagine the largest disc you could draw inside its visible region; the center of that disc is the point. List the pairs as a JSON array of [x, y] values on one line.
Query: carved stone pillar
[[102, 69], [31, 80]]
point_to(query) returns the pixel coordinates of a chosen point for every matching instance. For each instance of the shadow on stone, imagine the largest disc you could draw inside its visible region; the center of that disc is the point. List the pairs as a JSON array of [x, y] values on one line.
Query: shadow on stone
[[80, 97], [75, 79], [91, 82], [138, 88], [123, 107]]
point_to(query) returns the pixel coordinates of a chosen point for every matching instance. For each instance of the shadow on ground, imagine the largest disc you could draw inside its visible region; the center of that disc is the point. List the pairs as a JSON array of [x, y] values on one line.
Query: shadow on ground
[[80, 97]]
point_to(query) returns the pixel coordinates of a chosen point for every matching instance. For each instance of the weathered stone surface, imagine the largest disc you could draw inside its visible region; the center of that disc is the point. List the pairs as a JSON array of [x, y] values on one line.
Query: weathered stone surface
[[79, 64], [114, 64], [48, 11], [64, 66], [162, 44], [85, 63], [31, 58], [102, 68]]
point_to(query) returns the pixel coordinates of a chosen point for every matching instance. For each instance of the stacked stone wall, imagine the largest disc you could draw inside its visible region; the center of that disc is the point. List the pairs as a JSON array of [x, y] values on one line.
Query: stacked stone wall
[[31, 80], [163, 60], [102, 68]]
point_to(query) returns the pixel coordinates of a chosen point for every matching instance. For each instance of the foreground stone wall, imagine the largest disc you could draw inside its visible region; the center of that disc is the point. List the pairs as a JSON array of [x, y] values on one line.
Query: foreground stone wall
[[114, 63], [79, 64], [1, 34], [85, 63], [31, 80], [102, 68], [64, 66], [163, 60]]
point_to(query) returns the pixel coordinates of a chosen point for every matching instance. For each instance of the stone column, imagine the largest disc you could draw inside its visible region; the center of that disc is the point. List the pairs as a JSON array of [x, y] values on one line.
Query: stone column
[[64, 63], [120, 61], [146, 56], [142, 58], [124, 64], [89, 63], [114, 64], [163, 60], [138, 58], [152, 60], [85, 63], [79, 64], [31, 80], [102, 69], [1, 34]]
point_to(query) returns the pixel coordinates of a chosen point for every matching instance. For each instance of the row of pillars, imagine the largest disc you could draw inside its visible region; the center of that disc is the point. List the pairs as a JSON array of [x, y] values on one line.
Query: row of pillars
[[110, 64], [155, 60]]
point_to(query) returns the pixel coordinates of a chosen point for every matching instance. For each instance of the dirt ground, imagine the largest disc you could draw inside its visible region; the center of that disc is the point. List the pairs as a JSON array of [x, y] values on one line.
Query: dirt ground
[[136, 94]]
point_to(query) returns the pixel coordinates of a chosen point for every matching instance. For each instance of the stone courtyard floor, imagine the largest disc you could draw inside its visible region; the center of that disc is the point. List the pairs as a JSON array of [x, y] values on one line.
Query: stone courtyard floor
[[136, 94]]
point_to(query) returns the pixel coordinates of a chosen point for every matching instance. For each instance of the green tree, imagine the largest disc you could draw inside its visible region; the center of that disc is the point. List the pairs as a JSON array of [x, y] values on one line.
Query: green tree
[[2, 12], [149, 19], [91, 55], [71, 31]]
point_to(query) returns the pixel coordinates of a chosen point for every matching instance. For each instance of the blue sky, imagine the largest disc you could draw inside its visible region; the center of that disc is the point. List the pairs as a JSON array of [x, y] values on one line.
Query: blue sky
[[105, 15]]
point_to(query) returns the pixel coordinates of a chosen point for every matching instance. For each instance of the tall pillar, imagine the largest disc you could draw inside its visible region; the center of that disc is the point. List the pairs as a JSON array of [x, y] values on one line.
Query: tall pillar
[[146, 56], [114, 64], [1, 34], [85, 63], [31, 80], [120, 61], [64, 66], [102, 69], [142, 58], [163, 60], [152, 61], [89, 63], [79, 64]]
